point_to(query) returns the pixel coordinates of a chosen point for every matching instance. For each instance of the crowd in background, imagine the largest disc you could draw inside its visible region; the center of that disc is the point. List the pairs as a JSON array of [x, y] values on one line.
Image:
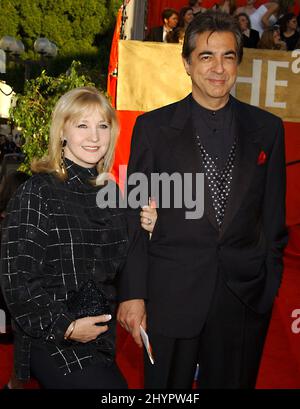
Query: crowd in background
[[7, 145], [271, 26], [10, 154]]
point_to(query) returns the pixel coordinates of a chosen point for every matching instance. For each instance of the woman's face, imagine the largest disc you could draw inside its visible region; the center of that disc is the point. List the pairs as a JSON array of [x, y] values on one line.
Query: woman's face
[[87, 139], [188, 17], [276, 36], [243, 23]]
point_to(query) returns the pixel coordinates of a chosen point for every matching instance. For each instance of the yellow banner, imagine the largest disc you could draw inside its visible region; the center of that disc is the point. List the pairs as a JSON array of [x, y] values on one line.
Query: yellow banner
[[152, 75]]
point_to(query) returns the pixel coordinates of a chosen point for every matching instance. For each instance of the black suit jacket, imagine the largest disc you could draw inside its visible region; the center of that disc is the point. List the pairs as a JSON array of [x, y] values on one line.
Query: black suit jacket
[[176, 270], [155, 34]]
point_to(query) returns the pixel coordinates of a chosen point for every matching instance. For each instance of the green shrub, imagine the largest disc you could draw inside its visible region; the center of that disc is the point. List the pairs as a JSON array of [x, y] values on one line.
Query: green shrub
[[33, 109], [81, 29]]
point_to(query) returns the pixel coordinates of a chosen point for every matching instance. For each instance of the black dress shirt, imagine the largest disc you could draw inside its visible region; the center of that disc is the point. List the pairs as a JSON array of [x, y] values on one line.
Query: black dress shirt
[[216, 130], [54, 239]]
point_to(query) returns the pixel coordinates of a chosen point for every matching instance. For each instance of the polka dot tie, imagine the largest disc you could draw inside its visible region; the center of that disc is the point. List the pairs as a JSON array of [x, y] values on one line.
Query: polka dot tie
[[219, 180]]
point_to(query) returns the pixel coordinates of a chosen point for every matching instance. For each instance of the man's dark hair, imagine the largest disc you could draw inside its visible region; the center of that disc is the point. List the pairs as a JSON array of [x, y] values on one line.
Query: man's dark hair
[[167, 13], [213, 21]]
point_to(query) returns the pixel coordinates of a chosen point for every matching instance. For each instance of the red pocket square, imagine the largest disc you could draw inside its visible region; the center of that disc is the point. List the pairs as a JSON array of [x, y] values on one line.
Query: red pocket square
[[262, 158]]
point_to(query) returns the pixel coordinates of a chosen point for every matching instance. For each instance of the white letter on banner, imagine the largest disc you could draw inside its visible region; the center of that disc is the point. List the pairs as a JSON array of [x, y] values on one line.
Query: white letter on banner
[[254, 81], [272, 83], [296, 323], [296, 63]]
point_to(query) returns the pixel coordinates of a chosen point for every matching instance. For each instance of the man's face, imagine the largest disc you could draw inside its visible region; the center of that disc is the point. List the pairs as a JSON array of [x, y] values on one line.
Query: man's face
[[172, 21], [213, 68]]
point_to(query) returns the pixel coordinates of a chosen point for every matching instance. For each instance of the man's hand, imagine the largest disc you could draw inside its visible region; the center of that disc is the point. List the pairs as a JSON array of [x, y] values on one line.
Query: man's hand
[[132, 314]]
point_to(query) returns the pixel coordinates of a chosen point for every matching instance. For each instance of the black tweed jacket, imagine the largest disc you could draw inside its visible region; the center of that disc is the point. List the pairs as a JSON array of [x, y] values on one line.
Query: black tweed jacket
[[55, 238]]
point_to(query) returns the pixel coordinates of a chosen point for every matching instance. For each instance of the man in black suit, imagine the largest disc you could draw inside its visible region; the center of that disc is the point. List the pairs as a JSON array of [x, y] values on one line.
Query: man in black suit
[[170, 21], [204, 288]]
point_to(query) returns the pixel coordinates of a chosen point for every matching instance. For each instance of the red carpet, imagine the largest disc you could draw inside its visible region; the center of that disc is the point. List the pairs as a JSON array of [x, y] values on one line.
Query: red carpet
[[280, 368]]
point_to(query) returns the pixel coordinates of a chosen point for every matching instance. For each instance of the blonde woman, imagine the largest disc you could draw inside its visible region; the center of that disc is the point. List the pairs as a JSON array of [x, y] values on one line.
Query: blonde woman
[[61, 253]]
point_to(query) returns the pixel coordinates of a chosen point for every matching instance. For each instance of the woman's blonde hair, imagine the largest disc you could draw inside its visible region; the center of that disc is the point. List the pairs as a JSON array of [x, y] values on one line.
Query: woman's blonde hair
[[71, 107]]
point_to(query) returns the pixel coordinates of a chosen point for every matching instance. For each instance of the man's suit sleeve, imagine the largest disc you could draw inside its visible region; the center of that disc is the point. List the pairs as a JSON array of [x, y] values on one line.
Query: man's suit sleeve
[[133, 278], [155, 35], [150, 36], [274, 205]]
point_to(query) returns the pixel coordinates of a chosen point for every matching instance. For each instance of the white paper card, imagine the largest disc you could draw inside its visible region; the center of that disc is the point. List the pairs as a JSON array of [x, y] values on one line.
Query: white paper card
[[146, 342]]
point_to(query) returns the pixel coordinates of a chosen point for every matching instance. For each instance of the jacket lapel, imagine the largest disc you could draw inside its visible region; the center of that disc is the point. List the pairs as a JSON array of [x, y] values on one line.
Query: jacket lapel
[[183, 146], [181, 141], [247, 152]]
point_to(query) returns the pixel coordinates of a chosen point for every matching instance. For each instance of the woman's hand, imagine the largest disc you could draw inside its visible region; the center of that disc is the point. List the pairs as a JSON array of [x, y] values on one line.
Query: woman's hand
[[149, 216], [86, 330]]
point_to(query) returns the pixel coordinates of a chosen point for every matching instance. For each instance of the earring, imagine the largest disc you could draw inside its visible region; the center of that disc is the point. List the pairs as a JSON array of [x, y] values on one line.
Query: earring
[[62, 156]]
